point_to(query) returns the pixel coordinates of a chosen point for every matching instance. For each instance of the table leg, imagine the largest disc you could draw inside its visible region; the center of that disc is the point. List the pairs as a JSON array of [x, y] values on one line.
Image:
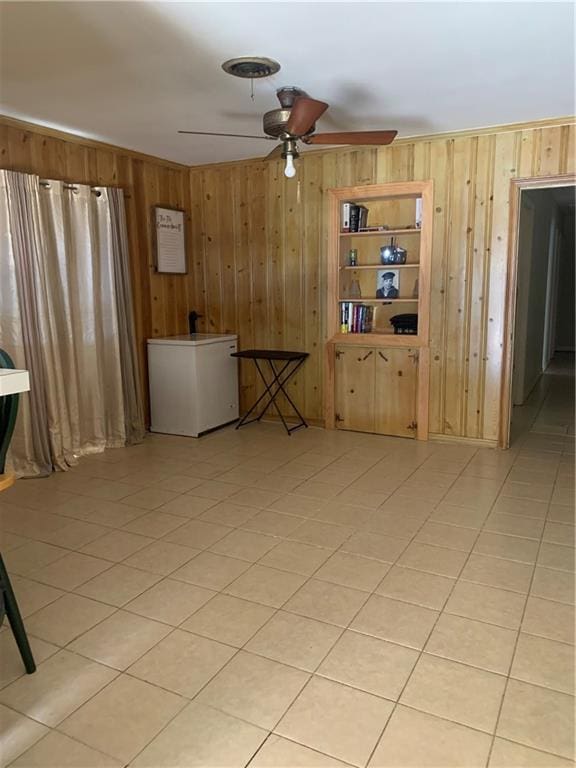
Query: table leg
[[272, 389], [281, 387], [15, 619]]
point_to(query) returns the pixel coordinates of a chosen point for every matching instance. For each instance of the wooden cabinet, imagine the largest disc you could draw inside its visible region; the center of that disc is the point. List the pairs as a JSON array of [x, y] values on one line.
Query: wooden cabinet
[[355, 388], [376, 375], [376, 389], [395, 391]]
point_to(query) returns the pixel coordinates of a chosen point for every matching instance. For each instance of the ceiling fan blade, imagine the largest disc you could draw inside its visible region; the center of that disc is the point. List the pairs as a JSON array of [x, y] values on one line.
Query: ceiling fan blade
[[276, 153], [304, 114], [235, 135], [352, 137]]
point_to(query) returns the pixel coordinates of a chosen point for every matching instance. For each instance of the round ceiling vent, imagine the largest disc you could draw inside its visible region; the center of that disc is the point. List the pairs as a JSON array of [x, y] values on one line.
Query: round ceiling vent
[[251, 67]]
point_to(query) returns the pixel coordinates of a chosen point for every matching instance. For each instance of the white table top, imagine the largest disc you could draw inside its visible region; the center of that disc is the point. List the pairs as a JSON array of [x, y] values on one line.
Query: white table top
[[13, 381]]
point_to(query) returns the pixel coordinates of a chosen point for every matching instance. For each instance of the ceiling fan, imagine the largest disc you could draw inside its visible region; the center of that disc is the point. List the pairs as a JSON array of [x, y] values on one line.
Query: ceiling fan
[[296, 121]]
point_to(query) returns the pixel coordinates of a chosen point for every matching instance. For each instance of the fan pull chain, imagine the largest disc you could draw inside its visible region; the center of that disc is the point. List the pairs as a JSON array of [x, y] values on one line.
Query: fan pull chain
[[252, 88]]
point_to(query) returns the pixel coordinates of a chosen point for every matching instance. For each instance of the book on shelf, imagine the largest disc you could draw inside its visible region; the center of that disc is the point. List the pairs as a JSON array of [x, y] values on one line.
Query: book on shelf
[[356, 318], [354, 217], [346, 217], [374, 228], [418, 212]]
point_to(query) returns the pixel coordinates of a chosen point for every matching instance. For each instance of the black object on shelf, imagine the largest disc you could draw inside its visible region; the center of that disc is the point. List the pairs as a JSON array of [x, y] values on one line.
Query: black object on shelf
[[192, 317], [406, 323]]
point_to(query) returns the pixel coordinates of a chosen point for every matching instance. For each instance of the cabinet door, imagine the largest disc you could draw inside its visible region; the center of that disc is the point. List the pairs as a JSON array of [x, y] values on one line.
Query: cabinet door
[[395, 391], [354, 388]]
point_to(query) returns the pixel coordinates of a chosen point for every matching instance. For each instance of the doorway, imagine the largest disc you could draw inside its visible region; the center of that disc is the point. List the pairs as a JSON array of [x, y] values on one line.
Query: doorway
[[540, 309]]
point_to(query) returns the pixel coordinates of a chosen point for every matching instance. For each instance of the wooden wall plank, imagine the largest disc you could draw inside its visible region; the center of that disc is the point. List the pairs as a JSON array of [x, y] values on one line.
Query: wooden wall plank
[[477, 287], [228, 224], [550, 152], [213, 276], [244, 292], [506, 152], [528, 139], [259, 267], [196, 283], [294, 280], [313, 304], [457, 255], [421, 160], [275, 227], [441, 153]]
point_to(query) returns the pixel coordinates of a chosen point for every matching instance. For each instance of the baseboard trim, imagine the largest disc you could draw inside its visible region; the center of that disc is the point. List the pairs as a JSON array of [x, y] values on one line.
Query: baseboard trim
[[477, 441]]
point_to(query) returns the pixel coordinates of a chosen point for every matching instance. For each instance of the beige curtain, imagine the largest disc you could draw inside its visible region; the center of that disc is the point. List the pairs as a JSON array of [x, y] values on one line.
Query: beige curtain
[[85, 333], [21, 249], [133, 406]]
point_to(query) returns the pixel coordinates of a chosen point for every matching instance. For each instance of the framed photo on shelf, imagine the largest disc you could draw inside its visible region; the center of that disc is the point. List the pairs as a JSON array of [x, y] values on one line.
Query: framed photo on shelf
[[169, 240], [387, 283]]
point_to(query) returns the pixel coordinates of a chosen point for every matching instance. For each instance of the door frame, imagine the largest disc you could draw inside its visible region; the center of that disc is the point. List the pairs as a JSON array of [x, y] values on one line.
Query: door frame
[[517, 186]]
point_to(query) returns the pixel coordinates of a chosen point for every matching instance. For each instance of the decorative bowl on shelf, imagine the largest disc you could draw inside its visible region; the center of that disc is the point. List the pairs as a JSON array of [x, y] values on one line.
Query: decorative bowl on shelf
[[392, 254]]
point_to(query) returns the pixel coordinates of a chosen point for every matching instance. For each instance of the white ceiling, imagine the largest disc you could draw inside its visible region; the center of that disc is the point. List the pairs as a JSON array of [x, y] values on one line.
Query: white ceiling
[[133, 73]]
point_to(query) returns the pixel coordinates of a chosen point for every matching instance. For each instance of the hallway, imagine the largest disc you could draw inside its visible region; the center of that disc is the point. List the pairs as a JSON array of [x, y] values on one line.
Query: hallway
[[549, 410]]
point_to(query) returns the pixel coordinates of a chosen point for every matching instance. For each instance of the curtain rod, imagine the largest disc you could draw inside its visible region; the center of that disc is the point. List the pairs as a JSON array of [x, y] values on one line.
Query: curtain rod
[[74, 187]]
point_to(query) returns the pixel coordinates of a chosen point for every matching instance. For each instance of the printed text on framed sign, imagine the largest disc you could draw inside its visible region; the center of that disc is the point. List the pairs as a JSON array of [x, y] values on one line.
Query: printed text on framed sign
[[170, 241]]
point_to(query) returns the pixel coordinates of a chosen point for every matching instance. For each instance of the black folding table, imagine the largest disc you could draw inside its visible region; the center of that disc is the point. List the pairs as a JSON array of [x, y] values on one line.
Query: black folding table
[[288, 364]]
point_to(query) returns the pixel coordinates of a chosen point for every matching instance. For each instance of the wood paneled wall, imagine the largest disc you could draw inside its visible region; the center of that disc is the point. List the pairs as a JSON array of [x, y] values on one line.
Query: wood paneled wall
[[161, 301], [260, 239], [257, 245]]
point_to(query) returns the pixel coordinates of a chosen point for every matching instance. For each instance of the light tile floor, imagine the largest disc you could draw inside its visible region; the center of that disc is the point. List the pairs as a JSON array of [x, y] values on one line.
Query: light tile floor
[[329, 599]]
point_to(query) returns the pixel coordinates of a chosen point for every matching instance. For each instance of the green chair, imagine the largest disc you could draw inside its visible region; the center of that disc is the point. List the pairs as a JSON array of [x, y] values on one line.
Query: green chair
[[8, 604]]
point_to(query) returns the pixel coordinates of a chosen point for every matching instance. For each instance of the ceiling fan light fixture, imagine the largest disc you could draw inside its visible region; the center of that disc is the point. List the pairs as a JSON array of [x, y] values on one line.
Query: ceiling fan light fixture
[[290, 169], [251, 67], [290, 153]]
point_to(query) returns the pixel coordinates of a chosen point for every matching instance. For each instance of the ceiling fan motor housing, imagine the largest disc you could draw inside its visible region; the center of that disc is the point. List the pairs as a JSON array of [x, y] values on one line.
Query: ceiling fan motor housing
[[274, 123], [275, 120]]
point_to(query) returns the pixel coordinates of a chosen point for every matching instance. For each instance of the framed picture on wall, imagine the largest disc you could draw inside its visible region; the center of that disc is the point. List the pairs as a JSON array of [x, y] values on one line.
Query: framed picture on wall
[[169, 231], [387, 283]]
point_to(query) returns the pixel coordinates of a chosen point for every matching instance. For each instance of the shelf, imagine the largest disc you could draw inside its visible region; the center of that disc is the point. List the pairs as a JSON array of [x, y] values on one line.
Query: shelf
[[382, 233], [378, 301], [378, 339], [384, 266]]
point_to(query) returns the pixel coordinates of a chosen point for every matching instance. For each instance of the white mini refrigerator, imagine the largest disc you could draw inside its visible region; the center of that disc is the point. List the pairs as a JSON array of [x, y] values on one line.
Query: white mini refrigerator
[[193, 383]]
